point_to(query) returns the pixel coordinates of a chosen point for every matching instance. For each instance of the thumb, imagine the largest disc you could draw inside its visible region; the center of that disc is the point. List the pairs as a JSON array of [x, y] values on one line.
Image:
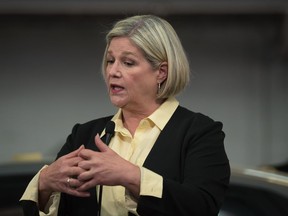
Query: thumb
[[100, 144]]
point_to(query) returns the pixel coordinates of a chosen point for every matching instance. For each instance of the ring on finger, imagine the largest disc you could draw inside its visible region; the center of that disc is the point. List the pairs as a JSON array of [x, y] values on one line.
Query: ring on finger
[[68, 182]]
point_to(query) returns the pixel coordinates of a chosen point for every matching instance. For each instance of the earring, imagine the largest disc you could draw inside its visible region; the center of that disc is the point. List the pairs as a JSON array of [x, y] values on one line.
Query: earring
[[159, 87]]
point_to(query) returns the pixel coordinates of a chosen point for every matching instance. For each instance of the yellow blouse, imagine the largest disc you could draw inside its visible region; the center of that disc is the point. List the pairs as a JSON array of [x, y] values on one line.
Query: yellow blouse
[[134, 149]]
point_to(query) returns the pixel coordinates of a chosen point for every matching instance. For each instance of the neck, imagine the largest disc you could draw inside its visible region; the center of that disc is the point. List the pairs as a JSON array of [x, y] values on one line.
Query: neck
[[132, 117]]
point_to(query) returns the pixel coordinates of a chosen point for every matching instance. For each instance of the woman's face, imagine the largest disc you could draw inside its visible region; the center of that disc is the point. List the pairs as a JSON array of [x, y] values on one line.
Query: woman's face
[[130, 78]]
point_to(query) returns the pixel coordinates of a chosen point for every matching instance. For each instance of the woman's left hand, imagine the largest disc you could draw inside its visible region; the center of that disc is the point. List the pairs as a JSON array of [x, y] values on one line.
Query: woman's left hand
[[107, 168]]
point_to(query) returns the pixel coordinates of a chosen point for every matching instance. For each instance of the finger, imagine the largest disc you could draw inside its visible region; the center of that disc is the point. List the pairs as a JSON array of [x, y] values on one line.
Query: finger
[[72, 161], [75, 171], [86, 186], [74, 153], [85, 176], [73, 183], [77, 193], [86, 154], [85, 164], [100, 144]]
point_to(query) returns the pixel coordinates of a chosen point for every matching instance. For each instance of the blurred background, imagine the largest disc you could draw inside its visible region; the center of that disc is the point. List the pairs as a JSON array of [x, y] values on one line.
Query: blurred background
[[50, 55], [50, 79]]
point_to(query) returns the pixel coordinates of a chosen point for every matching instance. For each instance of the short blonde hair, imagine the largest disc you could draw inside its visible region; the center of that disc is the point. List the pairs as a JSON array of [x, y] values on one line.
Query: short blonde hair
[[159, 43]]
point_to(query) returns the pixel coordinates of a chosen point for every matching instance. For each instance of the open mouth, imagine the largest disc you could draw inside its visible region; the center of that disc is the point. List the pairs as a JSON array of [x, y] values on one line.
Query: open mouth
[[116, 88]]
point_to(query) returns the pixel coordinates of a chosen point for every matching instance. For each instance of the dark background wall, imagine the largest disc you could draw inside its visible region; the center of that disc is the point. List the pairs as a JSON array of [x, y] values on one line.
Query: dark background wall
[[50, 55]]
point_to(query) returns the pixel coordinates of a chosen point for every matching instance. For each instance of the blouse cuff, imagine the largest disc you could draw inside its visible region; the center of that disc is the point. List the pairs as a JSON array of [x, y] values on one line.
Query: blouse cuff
[[31, 193], [151, 183]]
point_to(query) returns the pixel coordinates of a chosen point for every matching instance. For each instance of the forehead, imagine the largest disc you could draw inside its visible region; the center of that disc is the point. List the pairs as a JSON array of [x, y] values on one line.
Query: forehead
[[123, 45]]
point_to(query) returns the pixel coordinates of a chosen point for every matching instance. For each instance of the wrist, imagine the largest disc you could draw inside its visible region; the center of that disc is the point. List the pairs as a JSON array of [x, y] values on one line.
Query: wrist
[[132, 181], [42, 183]]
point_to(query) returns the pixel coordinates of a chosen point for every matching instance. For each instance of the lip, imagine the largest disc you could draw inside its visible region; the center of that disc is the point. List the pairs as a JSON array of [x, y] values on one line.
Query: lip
[[115, 88]]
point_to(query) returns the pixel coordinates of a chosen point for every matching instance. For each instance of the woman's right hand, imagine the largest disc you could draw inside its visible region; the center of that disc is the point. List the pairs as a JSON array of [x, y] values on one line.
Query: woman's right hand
[[61, 176]]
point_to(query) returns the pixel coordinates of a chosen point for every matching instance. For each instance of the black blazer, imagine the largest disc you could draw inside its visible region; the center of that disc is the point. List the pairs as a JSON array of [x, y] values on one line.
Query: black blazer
[[189, 153]]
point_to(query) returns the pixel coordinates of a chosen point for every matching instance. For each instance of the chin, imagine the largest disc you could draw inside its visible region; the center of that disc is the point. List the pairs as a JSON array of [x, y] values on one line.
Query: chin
[[117, 103]]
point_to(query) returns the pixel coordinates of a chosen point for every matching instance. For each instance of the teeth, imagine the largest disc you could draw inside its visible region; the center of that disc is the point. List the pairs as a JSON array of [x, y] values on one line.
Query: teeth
[[117, 87]]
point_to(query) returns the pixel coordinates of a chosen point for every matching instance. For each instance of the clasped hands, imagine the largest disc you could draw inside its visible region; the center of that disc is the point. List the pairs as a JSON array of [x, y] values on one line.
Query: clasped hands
[[82, 169]]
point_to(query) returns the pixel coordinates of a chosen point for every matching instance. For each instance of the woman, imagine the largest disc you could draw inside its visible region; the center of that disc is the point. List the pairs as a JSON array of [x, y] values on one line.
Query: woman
[[163, 158]]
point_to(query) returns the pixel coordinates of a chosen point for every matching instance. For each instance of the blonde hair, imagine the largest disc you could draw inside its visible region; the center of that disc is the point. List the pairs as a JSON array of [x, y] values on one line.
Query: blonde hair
[[159, 43]]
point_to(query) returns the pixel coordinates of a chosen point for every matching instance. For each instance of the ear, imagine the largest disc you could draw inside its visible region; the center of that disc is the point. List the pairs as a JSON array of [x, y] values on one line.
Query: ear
[[162, 72]]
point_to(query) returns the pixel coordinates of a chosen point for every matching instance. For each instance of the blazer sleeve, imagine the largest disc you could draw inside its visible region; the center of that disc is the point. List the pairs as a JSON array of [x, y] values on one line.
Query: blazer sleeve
[[200, 185], [30, 208], [82, 134], [69, 205]]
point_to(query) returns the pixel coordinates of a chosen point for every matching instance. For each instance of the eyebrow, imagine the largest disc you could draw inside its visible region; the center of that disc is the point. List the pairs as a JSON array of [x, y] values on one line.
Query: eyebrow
[[125, 53]]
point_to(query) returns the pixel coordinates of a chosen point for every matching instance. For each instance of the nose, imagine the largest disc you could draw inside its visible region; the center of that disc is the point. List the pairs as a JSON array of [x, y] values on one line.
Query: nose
[[113, 69]]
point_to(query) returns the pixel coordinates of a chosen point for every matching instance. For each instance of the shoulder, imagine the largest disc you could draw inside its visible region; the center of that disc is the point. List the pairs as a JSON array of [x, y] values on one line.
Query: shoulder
[[193, 117], [194, 123], [92, 127], [83, 134], [100, 122], [95, 124]]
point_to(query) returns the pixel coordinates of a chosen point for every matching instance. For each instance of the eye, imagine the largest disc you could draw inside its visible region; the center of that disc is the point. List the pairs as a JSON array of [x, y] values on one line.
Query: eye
[[129, 63], [110, 61]]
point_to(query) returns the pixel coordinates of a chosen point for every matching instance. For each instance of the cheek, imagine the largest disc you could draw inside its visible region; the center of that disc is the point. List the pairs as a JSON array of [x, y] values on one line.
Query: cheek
[[137, 83], [140, 81]]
